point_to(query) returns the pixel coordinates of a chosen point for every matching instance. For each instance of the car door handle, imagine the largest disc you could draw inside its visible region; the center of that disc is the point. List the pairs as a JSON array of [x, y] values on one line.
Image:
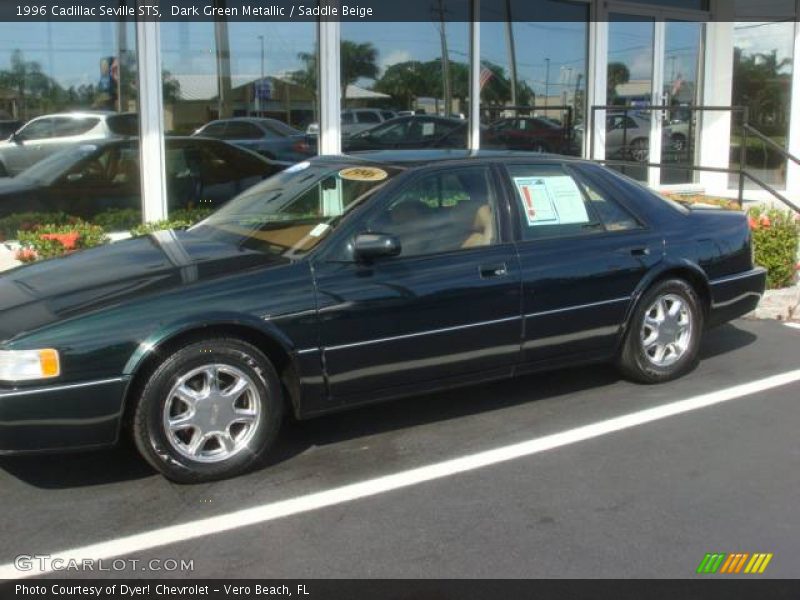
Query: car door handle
[[640, 251], [497, 270]]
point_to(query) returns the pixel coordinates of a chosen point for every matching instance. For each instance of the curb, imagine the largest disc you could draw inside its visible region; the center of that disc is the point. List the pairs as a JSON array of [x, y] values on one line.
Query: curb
[[780, 305]]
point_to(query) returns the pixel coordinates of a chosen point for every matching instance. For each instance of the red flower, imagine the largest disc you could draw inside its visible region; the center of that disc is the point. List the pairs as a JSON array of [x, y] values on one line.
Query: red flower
[[765, 222], [68, 240], [26, 255], [753, 223]]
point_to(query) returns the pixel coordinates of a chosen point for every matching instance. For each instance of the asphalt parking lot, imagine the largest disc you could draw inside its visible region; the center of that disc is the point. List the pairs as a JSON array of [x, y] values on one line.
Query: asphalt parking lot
[[647, 500]]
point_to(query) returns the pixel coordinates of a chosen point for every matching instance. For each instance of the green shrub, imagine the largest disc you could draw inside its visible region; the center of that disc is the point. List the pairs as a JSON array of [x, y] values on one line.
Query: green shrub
[[10, 225], [118, 219], [178, 219], [775, 242], [48, 241]]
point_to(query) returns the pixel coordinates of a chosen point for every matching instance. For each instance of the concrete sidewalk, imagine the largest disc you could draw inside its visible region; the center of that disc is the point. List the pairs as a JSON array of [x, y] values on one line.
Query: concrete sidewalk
[[7, 259]]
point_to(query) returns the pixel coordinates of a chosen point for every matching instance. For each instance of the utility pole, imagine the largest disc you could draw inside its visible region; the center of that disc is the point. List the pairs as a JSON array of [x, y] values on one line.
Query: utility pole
[[261, 80], [122, 61], [512, 52], [225, 91], [546, 81], [445, 61]]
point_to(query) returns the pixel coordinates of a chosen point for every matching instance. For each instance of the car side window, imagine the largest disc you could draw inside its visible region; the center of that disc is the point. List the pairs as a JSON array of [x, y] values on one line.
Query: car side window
[[66, 127], [240, 130], [441, 212], [611, 213], [368, 117], [37, 130], [551, 203], [216, 130]]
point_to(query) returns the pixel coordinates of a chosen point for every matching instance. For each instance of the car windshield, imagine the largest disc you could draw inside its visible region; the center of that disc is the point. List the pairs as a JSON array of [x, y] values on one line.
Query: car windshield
[[293, 211], [51, 168]]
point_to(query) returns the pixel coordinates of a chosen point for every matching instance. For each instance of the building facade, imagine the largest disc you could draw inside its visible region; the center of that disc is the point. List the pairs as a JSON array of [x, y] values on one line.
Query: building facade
[[578, 77]]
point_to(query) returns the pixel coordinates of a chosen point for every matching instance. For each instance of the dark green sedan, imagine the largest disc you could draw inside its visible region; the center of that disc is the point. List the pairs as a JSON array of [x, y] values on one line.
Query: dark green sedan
[[348, 280]]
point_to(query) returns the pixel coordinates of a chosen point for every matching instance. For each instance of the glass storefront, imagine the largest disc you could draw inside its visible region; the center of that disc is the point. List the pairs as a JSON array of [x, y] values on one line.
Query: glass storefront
[[533, 76], [241, 100], [238, 99], [68, 115], [405, 85], [762, 82]]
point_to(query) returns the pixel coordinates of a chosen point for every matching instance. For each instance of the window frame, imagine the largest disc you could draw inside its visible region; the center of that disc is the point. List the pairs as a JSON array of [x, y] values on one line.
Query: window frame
[[442, 169], [583, 181], [335, 250], [574, 173]]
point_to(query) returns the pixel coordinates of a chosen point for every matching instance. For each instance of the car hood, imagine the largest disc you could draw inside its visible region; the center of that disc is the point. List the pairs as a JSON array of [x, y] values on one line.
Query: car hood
[[36, 295]]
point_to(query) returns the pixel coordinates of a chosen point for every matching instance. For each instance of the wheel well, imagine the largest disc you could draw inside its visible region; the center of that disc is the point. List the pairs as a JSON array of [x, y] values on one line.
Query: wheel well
[[696, 280], [272, 350]]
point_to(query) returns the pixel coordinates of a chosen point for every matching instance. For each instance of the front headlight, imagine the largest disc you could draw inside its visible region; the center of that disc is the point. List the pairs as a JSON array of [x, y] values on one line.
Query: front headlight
[[27, 365]]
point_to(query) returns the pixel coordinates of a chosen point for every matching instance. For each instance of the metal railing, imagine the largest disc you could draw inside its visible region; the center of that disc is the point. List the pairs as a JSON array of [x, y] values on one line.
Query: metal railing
[[741, 172]]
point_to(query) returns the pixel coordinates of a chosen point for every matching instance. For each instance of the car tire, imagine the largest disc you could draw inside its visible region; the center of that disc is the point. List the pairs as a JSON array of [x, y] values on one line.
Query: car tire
[[639, 150], [664, 333], [678, 142], [211, 410]]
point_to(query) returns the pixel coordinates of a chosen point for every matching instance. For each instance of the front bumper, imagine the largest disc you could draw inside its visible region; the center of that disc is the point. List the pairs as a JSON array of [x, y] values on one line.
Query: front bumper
[[736, 295], [61, 416]]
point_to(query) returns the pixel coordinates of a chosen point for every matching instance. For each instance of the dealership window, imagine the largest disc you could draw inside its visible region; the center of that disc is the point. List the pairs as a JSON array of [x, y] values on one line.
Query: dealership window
[[762, 81], [235, 88], [68, 99], [412, 71], [533, 75]]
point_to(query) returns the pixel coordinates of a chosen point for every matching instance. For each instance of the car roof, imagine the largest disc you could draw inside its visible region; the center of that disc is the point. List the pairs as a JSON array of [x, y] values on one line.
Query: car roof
[[413, 158], [77, 114]]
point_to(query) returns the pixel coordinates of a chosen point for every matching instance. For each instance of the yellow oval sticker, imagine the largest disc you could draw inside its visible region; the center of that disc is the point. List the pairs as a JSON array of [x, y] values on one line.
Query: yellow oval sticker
[[363, 174]]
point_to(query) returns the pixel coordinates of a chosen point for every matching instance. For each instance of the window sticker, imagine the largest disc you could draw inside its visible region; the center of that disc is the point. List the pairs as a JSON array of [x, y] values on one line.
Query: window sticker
[[363, 174], [428, 129], [319, 230], [551, 200]]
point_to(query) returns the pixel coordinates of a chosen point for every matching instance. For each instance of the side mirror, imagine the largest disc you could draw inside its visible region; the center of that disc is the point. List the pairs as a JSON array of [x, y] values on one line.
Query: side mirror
[[369, 246], [17, 138]]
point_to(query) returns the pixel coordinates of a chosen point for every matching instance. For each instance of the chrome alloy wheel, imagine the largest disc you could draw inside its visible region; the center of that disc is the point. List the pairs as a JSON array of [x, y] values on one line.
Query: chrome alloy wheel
[[211, 413], [666, 332]]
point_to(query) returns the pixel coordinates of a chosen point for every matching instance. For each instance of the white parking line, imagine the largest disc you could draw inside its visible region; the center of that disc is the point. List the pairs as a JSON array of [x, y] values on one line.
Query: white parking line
[[793, 325], [275, 510]]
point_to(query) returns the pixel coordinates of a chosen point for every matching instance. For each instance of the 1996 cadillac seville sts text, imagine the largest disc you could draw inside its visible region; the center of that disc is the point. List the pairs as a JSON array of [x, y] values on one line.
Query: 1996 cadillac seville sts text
[[347, 280]]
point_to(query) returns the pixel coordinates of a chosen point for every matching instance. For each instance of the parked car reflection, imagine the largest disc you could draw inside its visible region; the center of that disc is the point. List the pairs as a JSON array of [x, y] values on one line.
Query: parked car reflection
[[95, 177], [537, 134], [417, 131], [271, 138], [46, 135]]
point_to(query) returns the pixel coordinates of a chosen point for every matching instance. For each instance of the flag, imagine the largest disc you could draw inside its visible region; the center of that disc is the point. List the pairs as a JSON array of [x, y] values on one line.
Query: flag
[[485, 77]]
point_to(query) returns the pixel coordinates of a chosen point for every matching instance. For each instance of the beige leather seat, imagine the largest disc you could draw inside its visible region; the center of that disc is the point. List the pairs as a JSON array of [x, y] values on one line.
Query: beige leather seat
[[482, 228]]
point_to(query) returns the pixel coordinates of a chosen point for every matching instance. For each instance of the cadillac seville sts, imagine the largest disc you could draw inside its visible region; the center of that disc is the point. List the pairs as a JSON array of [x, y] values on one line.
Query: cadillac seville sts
[[347, 280]]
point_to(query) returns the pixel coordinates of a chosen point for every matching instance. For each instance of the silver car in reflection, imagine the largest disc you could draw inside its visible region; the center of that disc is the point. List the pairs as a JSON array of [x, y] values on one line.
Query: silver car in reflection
[[46, 135]]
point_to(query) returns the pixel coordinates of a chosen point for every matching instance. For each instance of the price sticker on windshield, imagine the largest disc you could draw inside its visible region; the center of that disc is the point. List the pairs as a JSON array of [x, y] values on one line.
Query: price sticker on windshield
[[363, 174]]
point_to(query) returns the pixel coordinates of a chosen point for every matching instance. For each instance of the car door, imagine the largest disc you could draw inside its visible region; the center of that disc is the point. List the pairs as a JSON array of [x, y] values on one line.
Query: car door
[[447, 307], [106, 179], [25, 148], [582, 255]]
